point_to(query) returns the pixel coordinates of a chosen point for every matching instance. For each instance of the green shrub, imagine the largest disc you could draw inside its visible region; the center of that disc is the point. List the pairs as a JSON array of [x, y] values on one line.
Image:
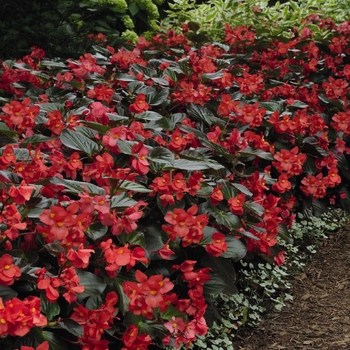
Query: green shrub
[[206, 20], [62, 28]]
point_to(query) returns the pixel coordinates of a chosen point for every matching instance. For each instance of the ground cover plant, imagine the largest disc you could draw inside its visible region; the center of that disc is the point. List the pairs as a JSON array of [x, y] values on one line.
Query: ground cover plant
[[133, 182]]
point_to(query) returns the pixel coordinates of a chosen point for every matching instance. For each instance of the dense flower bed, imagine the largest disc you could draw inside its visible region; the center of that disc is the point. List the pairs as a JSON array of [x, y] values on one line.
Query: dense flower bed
[[132, 181]]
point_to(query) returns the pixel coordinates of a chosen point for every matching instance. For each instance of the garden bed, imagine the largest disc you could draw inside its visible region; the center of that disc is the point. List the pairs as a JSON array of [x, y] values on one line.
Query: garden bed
[[138, 184]]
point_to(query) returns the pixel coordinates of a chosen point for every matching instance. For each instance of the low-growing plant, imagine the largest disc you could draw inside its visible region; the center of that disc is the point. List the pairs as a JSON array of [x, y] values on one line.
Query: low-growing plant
[[133, 182]]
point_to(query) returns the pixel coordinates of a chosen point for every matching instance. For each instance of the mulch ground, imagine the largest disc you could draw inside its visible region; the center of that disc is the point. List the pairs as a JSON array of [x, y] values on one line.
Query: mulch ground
[[318, 318]]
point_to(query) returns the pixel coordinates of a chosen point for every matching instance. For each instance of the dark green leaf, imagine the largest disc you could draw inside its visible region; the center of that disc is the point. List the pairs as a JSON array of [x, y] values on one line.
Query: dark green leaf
[[4, 141], [115, 117], [49, 309], [136, 87], [185, 164], [133, 186], [336, 103], [226, 218], [156, 98], [53, 64], [235, 249], [154, 330], [201, 113], [212, 76], [96, 231], [124, 77], [248, 152], [4, 129], [122, 201], [97, 126], [93, 284], [272, 106], [131, 319], [35, 139], [274, 82], [84, 130], [223, 275], [227, 189], [172, 311], [134, 238], [255, 208], [193, 26], [165, 209], [319, 208], [72, 327], [123, 302], [125, 146], [155, 238], [7, 293], [284, 234], [21, 154], [342, 162], [161, 155], [94, 302], [54, 248], [138, 68], [242, 189], [309, 166], [148, 116], [298, 104], [78, 186], [56, 342], [51, 107], [208, 234], [12, 177], [78, 141], [247, 234]]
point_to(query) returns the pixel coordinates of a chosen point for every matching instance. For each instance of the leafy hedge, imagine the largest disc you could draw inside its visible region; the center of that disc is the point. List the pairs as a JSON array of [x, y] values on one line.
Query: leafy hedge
[[134, 182], [268, 18], [69, 28]]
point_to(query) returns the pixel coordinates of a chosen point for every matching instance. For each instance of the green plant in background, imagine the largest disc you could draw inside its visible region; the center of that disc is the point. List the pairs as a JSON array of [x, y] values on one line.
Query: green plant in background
[[118, 18], [206, 20], [62, 28]]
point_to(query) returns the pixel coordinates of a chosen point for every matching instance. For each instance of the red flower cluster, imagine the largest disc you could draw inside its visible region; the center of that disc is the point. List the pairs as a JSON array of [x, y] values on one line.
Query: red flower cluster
[[175, 186], [20, 115], [185, 225], [44, 346], [218, 244], [116, 257], [95, 322], [8, 271], [140, 105], [68, 280], [17, 316], [148, 294], [133, 340]]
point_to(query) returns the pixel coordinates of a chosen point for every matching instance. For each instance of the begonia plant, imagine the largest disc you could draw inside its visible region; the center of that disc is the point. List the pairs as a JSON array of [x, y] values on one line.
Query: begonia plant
[[132, 182]]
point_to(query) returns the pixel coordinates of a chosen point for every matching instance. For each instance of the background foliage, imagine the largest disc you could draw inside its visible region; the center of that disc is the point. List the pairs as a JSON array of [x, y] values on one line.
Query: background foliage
[[268, 18], [62, 27]]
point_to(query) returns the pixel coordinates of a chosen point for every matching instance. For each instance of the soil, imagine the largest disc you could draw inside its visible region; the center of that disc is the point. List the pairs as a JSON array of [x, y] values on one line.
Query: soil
[[318, 318]]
